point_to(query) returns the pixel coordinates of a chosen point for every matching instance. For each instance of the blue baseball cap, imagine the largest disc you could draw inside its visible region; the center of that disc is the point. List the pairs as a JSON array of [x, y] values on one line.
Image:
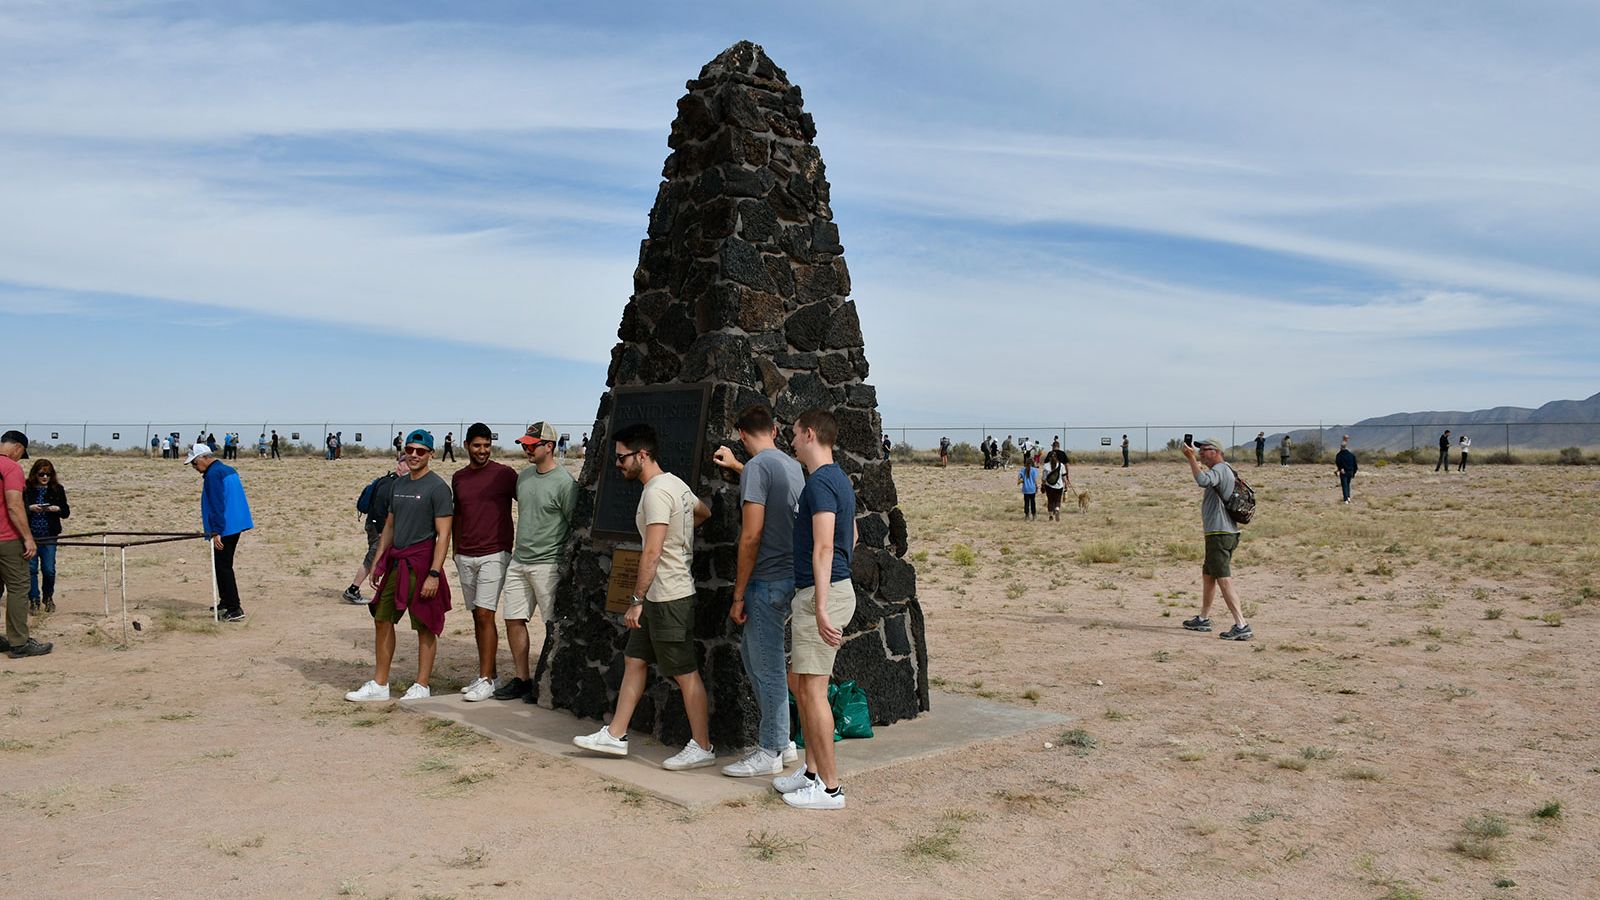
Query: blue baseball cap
[[420, 437]]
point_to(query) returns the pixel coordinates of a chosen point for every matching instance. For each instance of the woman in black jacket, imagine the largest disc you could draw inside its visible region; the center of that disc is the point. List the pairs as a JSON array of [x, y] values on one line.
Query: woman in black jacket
[[46, 501]]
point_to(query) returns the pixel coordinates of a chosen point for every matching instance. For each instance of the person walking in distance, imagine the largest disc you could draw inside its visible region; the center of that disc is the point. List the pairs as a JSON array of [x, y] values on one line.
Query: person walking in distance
[[450, 441], [1345, 464], [824, 604], [1466, 447], [275, 454], [888, 446], [1283, 451], [660, 614], [1261, 448], [1056, 476], [546, 498], [406, 575], [1124, 451], [1028, 479], [763, 586], [224, 517], [484, 490], [373, 504], [17, 549], [397, 442], [944, 452], [47, 505], [1217, 480], [1444, 452]]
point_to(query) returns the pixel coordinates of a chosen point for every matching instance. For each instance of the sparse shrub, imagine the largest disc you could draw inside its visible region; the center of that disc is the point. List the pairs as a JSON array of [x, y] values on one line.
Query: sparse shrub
[[1493, 612], [1553, 619], [962, 555], [1079, 740], [1550, 811], [1103, 552], [1570, 456], [1502, 458]]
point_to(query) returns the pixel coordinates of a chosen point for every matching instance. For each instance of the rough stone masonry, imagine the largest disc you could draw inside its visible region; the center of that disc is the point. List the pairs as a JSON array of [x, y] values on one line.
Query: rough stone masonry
[[742, 284]]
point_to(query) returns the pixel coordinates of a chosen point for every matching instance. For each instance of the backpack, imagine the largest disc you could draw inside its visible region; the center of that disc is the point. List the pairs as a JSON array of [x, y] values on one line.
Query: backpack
[[364, 502], [1241, 504]]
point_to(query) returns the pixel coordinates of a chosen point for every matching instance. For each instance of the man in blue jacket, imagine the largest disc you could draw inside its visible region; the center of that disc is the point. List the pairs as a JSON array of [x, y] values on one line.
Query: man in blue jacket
[[224, 516]]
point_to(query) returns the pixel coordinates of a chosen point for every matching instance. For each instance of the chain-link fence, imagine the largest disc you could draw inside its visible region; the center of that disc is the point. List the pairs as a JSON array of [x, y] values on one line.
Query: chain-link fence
[[1491, 441]]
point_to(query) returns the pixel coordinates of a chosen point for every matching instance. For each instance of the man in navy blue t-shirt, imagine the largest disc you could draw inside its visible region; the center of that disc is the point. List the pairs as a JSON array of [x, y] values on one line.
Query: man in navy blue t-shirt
[[824, 604]]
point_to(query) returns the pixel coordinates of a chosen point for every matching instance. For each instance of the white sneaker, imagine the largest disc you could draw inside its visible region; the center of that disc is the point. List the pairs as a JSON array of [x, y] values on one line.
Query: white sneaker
[[472, 684], [815, 796], [794, 781], [791, 754], [602, 742], [759, 761], [369, 691], [692, 756], [417, 692], [482, 689]]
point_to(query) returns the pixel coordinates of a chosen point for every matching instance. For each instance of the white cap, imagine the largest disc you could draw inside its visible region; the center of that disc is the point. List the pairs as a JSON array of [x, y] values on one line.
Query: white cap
[[197, 451]]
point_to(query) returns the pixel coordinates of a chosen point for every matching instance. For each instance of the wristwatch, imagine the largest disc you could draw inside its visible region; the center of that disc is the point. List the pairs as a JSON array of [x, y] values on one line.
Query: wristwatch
[[635, 600], [433, 573]]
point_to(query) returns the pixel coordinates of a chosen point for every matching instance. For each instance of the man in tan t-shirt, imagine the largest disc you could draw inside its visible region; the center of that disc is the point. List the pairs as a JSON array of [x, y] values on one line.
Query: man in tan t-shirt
[[661, 611]]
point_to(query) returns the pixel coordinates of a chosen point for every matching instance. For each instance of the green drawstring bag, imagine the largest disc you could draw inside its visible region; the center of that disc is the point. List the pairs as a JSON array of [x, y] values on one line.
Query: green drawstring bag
[[851, 716], [794, 720]]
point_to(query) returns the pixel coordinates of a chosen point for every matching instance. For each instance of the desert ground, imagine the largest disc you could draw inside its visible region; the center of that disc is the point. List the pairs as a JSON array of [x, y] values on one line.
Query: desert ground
[[1416, 717]]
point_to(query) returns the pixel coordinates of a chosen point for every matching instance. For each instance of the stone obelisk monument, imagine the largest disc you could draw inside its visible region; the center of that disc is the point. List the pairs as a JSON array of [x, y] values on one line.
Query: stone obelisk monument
[[740, 297]]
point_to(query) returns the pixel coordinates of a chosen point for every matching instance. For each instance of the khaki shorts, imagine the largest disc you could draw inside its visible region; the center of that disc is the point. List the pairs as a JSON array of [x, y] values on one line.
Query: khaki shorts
[[481, 579], [665, 636], [528, 584], [810, 654], [1219, 555]]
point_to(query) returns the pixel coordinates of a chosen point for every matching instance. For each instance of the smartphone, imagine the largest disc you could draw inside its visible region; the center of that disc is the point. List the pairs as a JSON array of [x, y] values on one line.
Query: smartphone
[[1188, 440]]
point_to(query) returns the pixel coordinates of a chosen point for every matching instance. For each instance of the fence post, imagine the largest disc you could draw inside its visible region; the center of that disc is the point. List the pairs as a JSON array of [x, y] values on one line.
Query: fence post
[[84, 446], [1508, 442], [1233, 436], [1147, 442]]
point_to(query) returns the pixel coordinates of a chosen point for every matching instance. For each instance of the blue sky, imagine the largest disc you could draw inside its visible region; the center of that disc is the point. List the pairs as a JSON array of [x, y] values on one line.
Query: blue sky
[[1079, 212]]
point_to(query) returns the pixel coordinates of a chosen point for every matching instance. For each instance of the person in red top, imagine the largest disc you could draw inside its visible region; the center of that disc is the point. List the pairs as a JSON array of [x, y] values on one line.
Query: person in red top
[[483, 490], [16, 548]]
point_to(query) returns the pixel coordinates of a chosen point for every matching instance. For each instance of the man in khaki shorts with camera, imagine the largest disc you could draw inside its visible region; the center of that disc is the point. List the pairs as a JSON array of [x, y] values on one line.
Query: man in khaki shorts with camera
[[661, 612], [824, 604], [546, 496]]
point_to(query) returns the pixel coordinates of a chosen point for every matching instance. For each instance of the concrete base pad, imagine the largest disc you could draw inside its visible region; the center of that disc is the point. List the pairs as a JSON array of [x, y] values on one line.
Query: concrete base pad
[[955, 721]]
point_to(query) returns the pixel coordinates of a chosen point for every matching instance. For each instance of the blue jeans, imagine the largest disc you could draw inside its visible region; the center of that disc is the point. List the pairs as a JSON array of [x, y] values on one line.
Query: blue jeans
[[45, 559], [766, 607], [1344, 483]]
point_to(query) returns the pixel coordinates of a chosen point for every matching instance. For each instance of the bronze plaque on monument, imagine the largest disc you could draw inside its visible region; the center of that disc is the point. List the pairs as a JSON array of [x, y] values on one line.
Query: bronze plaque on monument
[[678, 414], [624, 575]]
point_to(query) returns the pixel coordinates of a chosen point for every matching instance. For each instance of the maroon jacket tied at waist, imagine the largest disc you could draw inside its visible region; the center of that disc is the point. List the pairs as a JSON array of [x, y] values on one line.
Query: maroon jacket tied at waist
[[413, 562]]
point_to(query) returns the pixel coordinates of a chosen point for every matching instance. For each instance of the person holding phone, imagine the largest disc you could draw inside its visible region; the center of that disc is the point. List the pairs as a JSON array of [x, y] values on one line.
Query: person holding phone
[[47, 506]]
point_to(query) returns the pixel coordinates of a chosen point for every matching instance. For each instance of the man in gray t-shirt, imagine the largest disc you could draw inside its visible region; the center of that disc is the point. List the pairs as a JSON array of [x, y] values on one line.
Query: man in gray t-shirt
[[763, 589], [1218, 480]]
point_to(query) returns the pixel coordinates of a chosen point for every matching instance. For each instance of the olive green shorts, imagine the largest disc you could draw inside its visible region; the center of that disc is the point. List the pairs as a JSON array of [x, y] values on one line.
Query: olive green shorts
[[665, 636], [1219, 555], [382, 606]]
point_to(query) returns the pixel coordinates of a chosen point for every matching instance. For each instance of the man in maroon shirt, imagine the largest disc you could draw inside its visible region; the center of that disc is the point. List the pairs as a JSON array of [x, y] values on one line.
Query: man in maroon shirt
[[483, 490]]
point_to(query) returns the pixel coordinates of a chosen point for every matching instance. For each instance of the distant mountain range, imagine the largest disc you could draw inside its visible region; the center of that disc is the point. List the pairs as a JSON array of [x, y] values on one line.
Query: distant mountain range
[[1557, 424]]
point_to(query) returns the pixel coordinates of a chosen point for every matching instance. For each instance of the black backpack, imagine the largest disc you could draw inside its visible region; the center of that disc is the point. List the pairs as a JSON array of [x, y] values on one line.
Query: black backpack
[[364, 502]]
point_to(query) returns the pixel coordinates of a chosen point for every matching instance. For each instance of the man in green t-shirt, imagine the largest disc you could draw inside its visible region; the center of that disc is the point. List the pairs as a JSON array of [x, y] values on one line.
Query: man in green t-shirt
[[546, 496]]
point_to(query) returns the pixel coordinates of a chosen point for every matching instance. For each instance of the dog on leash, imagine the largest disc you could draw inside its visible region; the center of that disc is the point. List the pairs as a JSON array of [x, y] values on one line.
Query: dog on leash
[[1082, 495]]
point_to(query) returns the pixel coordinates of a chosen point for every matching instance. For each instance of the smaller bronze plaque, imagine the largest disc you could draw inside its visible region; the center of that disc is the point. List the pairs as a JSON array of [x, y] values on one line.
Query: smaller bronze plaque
[[624, 575]]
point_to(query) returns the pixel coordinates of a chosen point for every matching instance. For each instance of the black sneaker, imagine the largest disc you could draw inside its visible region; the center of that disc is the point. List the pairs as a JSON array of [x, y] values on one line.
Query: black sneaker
[[1238, 633], [5, 645], [31, 648], [50, 604], [1198, 623], [234, 616], [33, 604], [515, 689], [352, 594]]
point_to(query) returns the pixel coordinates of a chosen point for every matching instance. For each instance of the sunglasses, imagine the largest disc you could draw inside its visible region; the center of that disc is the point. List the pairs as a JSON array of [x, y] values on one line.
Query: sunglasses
[[532, 444], [624, 457], [417, 451]]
